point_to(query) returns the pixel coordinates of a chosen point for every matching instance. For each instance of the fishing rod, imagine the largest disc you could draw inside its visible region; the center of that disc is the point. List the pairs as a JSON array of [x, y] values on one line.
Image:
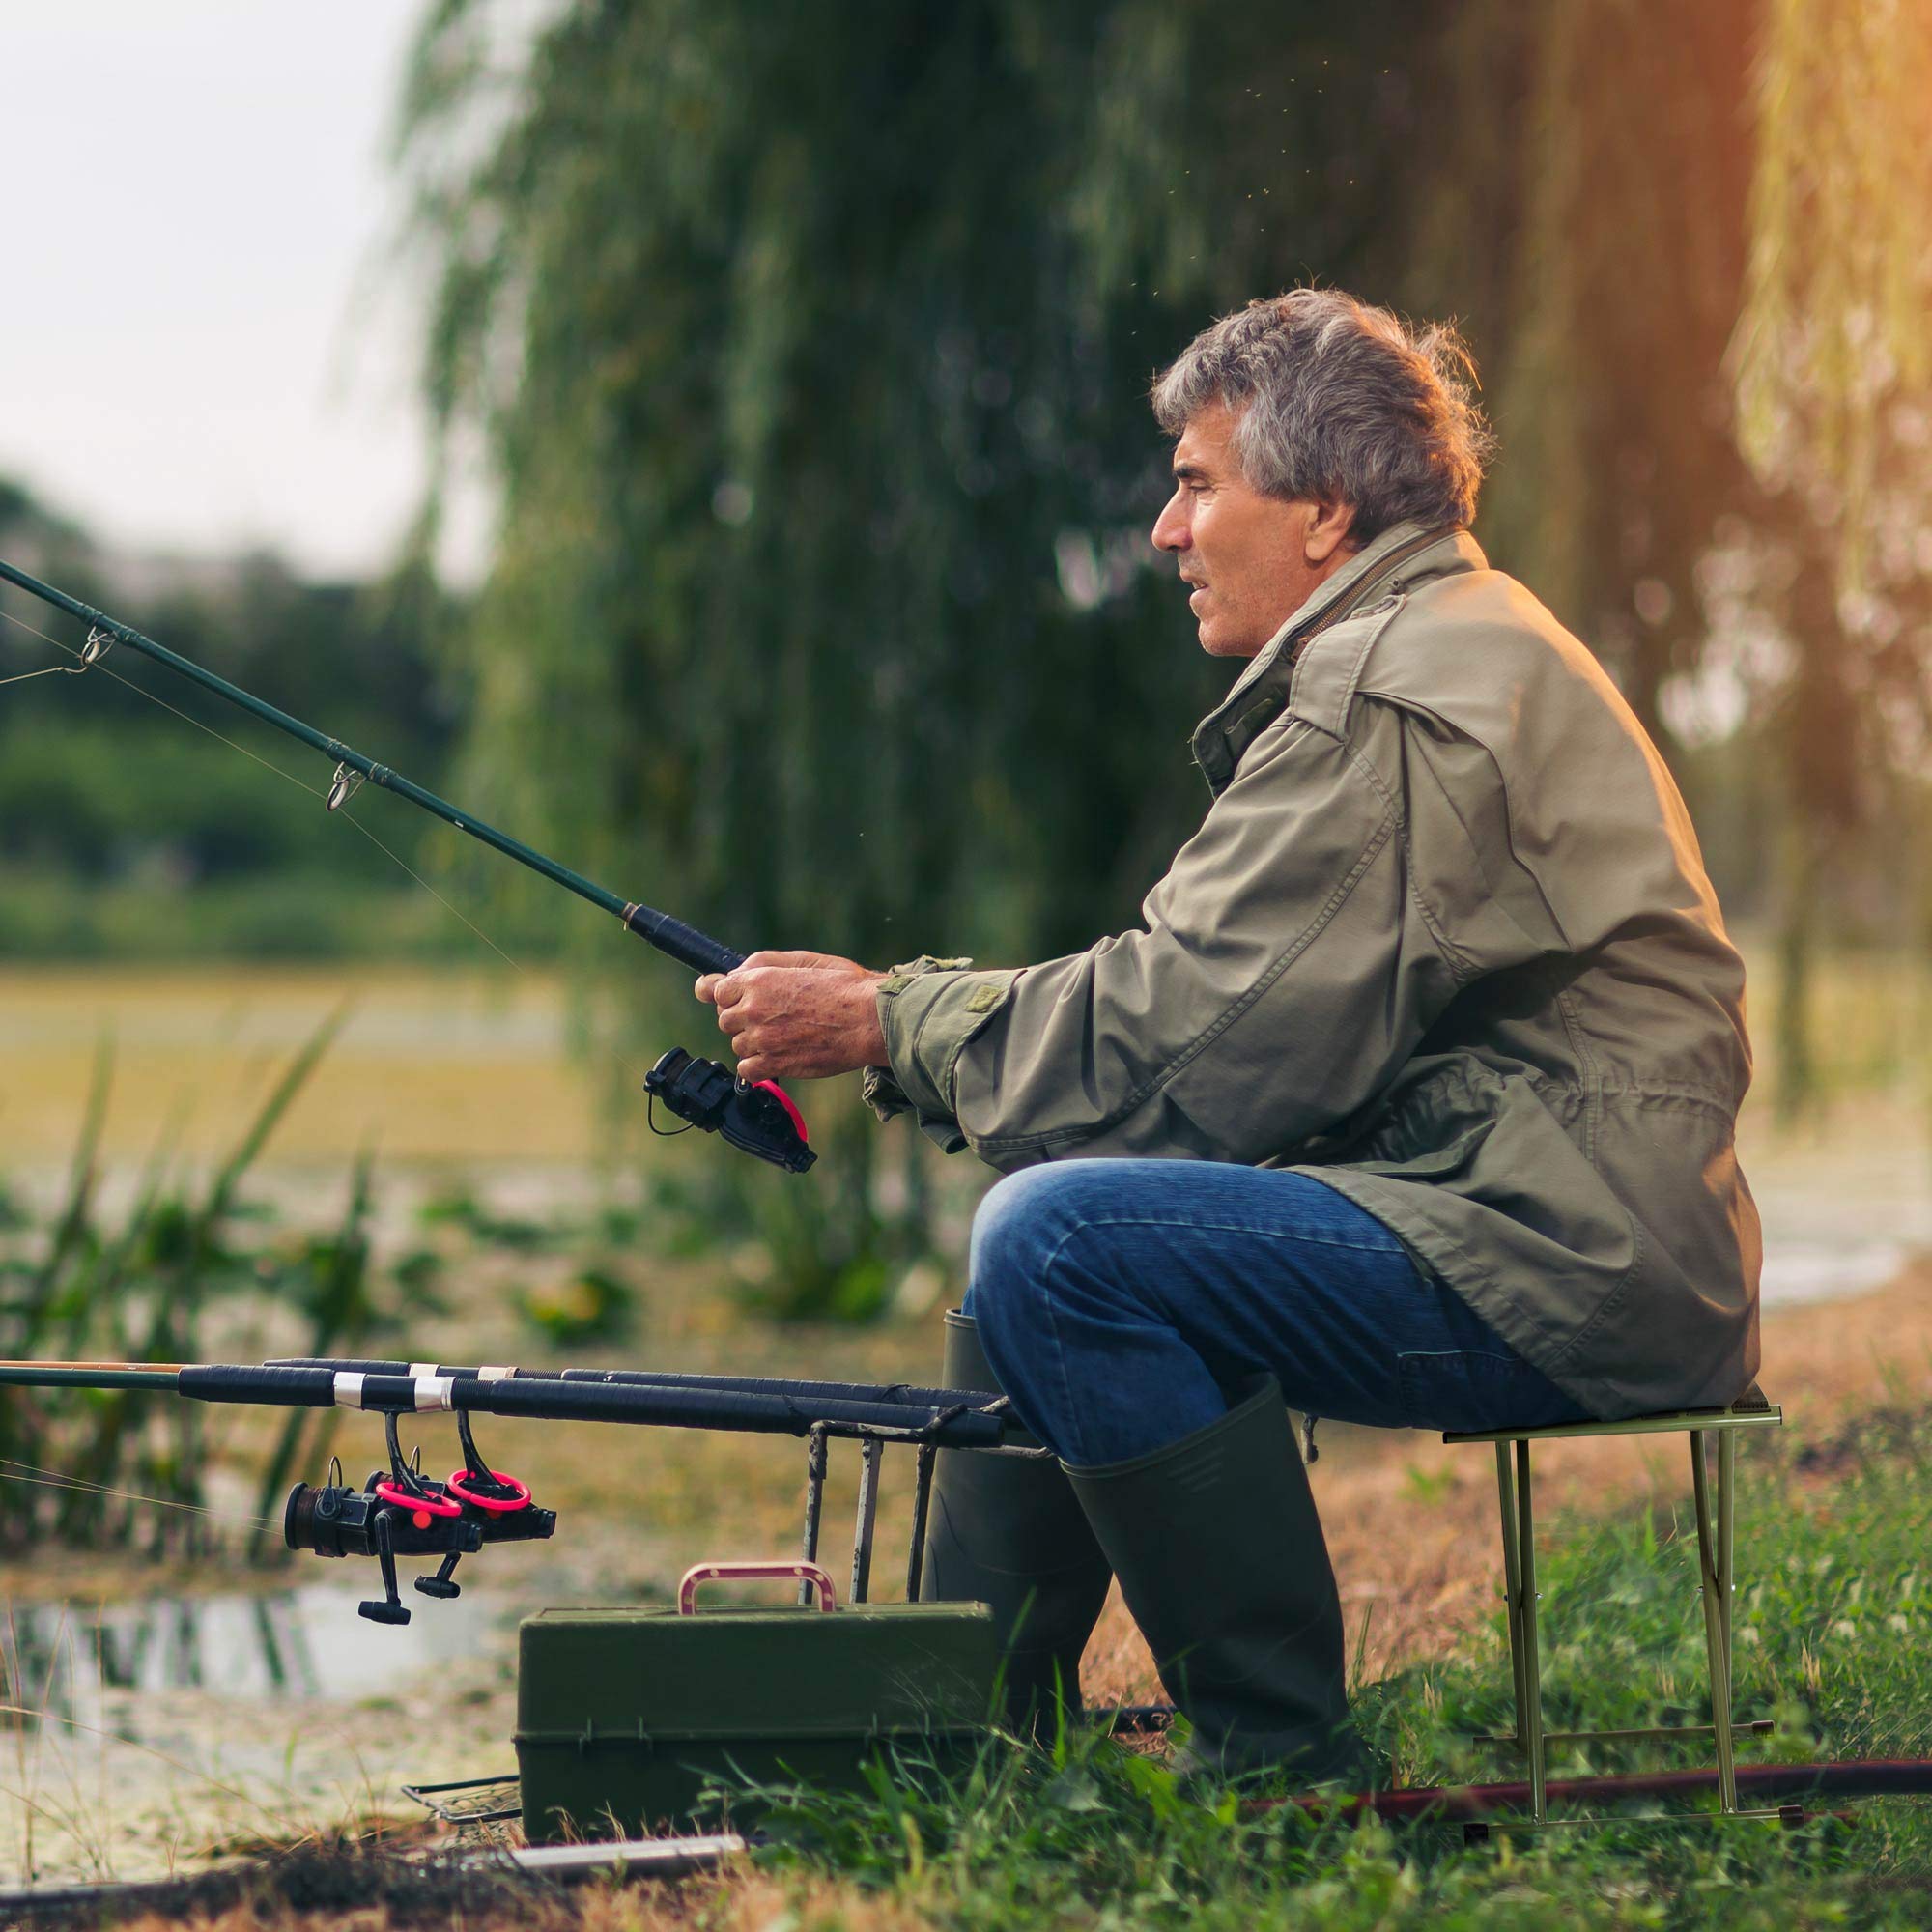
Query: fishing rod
[[399, 1512], [962, 1420], [759, 1117], [896, 1393]]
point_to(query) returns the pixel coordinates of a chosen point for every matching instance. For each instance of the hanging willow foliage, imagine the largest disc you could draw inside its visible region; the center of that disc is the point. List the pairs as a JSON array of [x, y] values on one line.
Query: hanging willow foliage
[[1836, 330], [1833, 376], [808, 346], [811, 346]]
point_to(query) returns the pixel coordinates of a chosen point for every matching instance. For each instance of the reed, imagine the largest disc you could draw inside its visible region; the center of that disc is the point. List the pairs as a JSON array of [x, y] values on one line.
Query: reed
[[119, 1468]]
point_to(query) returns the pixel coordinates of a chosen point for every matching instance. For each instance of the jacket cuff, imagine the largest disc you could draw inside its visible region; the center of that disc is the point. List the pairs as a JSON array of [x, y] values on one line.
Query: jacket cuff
[[928, 1009]]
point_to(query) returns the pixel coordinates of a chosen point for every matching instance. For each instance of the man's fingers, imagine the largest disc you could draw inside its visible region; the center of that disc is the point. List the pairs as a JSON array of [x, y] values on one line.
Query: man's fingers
[[721, 989], [792, 959]]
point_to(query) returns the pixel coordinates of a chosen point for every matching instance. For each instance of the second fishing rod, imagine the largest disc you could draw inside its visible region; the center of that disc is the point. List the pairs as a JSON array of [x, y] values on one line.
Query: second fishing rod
[[759, 1120]]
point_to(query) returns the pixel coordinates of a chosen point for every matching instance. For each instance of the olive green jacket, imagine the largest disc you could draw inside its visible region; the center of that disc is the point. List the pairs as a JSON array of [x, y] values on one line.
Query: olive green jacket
[[1443, 940]]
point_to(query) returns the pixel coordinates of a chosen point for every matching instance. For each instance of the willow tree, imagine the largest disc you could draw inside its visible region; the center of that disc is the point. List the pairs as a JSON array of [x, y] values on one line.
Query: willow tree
[[1834, 371], [1712, 338], [810, 346], [807, 347]]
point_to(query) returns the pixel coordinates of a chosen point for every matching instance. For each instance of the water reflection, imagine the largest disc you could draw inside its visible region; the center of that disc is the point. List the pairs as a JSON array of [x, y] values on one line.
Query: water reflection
[[65, 1662]]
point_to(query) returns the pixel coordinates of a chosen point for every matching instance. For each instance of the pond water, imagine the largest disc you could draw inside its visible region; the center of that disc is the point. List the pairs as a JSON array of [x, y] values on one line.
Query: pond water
[[1845, 1208], [64, 1662], [141, 1735]]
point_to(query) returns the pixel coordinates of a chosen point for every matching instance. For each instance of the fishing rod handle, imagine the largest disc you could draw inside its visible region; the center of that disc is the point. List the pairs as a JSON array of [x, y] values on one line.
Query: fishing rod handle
[[683, 942]]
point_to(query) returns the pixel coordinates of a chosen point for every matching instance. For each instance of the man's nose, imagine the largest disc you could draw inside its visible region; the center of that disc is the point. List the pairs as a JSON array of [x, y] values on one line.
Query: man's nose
[[1170, 528]]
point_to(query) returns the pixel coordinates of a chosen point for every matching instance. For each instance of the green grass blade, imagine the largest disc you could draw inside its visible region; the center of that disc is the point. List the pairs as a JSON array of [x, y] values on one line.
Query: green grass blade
[[269, 1117], [76, 1210]]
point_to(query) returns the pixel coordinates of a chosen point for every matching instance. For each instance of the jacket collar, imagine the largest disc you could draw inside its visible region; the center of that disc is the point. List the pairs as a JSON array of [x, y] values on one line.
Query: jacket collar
[[1403, 553]]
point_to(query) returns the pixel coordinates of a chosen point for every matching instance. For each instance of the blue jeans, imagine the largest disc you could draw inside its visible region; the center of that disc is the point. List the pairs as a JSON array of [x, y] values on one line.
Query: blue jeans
[[1118, 1300]]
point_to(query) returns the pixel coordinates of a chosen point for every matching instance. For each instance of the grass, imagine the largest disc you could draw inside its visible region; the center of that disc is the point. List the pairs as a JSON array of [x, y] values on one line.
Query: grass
[[1835, 1635], [1834, 1617], [439, 1068], [148, 1286]]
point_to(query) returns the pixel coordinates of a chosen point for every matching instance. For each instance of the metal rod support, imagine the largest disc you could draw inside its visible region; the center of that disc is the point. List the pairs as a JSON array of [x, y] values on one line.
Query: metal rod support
[[1727, 1493], [814, 1503], [870, 1451], [1709, 1537], [1512, 1581], [922, 1503]]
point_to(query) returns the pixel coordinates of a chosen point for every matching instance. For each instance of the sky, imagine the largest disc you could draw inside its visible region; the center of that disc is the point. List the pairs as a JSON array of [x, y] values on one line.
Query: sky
[[204, 344]]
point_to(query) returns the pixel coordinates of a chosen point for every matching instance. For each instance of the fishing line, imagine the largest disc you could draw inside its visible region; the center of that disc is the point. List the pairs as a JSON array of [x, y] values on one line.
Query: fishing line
[[53, 1478], [620, 1060], [267, 764], [436, 896]]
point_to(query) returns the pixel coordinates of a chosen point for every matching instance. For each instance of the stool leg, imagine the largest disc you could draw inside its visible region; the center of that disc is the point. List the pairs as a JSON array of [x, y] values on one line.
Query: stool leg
[[1715, 1640], [1512, 1587], [1727, 1493], [1532, 1670]]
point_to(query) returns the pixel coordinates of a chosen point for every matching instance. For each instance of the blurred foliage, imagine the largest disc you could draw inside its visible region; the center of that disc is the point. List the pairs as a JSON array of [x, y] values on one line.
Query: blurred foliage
[[593, 1305], [95, 1467], [1838, 327], [807, 352], [1833, 368]]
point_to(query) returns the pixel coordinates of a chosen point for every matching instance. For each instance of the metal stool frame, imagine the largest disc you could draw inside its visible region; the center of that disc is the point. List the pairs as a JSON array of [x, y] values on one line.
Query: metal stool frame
[[1715, 1528]]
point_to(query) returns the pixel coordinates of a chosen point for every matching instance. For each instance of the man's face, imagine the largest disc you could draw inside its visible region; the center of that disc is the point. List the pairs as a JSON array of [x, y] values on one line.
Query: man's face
[[1253, 560]]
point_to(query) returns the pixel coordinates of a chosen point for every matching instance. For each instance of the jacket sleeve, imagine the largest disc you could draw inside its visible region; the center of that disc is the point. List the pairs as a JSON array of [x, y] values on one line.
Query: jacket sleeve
[[1290, 963]]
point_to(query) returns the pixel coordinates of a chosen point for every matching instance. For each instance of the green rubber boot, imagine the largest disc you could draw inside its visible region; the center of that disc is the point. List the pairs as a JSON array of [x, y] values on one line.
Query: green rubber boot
[[1008, 1532], [1222, 1561]]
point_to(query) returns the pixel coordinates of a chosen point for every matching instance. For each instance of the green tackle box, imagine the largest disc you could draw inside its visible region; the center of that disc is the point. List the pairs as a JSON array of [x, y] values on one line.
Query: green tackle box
[[623, 1715]]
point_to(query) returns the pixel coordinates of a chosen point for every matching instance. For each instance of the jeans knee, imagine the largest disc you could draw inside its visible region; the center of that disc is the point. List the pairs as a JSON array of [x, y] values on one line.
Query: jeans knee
[[1024, 1223], [1005, 1245]]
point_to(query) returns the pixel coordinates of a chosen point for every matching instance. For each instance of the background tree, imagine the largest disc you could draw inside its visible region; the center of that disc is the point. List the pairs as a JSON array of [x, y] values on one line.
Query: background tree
[[809, 351], [1834, 372]]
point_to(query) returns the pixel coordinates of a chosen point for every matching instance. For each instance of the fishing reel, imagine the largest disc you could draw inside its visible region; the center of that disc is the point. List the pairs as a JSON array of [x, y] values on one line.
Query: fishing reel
[[757, 1118], [402, 1513]]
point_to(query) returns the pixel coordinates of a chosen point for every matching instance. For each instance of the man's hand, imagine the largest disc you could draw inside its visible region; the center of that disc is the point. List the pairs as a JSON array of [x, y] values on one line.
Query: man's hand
[[798, 1016]]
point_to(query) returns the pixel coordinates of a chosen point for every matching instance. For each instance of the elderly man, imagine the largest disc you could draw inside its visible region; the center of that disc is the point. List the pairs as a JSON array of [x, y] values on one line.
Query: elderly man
[[1410, 1104]]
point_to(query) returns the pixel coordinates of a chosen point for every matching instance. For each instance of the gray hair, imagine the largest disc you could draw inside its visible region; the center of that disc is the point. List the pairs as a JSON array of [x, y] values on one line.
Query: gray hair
[[1337, 402]]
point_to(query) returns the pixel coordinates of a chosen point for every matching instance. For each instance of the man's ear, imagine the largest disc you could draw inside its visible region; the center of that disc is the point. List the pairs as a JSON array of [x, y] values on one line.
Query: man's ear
[[1328, 531]]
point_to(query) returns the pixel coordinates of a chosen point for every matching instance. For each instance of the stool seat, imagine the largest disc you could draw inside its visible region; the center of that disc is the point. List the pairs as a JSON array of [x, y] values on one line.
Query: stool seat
[[1750, 1410], [1715, 1531]]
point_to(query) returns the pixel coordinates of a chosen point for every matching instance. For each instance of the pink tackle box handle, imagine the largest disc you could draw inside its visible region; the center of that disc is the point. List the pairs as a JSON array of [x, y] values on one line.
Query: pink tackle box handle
[[807, 1573]]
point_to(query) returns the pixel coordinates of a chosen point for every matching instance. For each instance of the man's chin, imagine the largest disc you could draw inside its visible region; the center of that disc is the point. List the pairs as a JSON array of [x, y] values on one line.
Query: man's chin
[[1217, 642]]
